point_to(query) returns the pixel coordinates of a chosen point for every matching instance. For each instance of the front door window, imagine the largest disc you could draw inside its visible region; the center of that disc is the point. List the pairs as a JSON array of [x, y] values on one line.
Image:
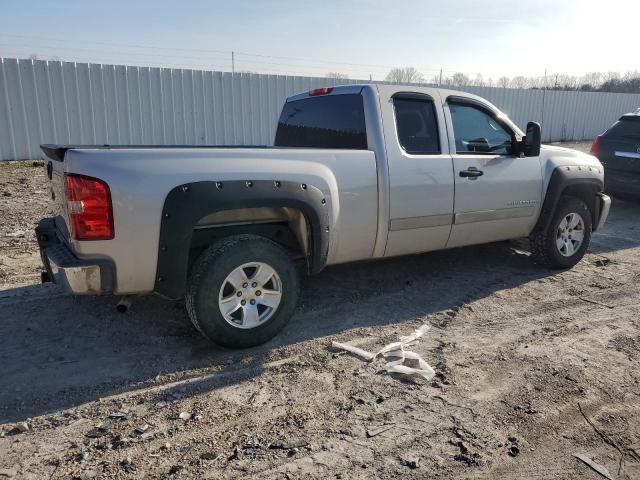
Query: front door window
[[478, 132]]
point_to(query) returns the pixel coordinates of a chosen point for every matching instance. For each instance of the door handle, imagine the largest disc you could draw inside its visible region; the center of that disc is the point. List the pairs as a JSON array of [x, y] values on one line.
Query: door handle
[[471, 172]]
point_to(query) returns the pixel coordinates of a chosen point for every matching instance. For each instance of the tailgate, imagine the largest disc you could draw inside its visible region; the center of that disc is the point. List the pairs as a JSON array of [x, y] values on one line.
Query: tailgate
[[54, 164]]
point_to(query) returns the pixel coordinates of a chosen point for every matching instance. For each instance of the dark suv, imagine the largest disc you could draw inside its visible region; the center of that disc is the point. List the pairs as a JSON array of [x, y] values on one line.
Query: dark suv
[[618, 149]]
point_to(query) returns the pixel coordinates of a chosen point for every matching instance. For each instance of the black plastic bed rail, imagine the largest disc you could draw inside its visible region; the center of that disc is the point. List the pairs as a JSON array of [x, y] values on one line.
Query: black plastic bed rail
[[56, 152]]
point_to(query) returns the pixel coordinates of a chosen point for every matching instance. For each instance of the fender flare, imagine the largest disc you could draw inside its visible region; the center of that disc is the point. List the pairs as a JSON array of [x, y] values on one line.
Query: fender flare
[[563, 178], [186, 204]]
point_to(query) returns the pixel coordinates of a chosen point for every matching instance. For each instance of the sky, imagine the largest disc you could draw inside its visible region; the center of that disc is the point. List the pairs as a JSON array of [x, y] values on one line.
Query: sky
[[358, 38]]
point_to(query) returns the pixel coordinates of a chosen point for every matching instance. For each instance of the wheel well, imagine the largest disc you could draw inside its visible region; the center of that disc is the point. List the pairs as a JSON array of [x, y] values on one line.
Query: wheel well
[[287, 227], [192, 209], [587, 193]]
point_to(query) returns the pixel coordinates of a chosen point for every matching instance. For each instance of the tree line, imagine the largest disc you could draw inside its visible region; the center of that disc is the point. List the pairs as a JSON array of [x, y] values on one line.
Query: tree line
[[628, 82]]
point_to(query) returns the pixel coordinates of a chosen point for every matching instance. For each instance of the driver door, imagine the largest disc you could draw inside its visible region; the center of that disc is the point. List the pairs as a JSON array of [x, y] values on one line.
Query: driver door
[[497, 194]]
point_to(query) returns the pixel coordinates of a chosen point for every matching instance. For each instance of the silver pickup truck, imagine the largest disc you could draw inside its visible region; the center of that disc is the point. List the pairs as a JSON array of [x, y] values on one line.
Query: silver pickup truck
[[357, 172]]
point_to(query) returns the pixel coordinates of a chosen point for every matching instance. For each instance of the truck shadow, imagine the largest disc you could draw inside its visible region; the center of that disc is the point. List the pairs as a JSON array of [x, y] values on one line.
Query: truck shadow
[[58, 351]]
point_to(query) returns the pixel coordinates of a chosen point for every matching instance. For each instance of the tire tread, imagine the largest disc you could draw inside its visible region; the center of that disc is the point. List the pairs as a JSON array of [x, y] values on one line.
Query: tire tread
[[541, 242], [202, 265]]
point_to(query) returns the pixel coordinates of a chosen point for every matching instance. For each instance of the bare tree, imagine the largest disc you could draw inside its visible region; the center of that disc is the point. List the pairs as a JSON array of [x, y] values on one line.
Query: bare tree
[[33, 56], [563, 81], [503, 82], [404, 75], [593, 79], [520, 82], [459, 79], [479, 81], [627, 83], [337, 76], [608, 76], [590, 82], [630, 75], [538, 82]]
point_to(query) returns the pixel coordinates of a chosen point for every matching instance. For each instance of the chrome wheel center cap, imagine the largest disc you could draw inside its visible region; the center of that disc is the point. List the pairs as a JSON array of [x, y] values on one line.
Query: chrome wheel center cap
[[570, 234], [250, 295]]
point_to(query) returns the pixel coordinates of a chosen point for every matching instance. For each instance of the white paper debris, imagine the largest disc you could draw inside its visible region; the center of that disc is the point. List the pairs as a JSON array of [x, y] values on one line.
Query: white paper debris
[[358, 352], [408, 363]]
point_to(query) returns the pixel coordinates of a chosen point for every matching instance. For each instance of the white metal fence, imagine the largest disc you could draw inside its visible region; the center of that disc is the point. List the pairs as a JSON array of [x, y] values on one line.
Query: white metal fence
[[80, 103]]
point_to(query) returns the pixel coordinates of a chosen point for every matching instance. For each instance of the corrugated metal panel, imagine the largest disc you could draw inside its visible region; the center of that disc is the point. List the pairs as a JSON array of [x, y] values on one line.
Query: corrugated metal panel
[[62, 102]]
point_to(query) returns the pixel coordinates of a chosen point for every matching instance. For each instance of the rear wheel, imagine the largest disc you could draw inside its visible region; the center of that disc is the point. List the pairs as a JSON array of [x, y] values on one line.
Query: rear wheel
[[567, 237], [242, 291]]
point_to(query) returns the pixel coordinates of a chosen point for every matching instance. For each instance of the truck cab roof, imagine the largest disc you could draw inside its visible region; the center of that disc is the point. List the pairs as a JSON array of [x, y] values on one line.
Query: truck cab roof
[[389, 90]]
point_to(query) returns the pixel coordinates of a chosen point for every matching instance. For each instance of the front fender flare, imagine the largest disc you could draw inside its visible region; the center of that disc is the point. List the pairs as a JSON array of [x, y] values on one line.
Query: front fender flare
[[563, 178]]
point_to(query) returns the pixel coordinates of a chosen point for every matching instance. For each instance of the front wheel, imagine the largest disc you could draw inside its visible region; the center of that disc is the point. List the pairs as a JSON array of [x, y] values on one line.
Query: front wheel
[[567, 237], [242, 291]]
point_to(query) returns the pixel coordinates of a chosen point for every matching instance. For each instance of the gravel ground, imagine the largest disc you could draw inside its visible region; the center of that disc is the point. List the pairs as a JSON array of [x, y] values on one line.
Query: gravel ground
[[533, 366]]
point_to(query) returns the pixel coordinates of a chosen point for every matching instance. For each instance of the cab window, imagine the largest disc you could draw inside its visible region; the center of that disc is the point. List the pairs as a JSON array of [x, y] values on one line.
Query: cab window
[[331, 121], [417, 126], [478, 131]]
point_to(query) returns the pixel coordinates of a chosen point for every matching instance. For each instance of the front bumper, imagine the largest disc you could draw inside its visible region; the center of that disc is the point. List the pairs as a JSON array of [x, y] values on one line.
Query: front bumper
[[80, 276], [604, 205]]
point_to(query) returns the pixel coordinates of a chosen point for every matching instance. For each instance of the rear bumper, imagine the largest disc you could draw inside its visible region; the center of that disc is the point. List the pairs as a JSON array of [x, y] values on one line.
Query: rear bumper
[[80, 276], [604, 205]]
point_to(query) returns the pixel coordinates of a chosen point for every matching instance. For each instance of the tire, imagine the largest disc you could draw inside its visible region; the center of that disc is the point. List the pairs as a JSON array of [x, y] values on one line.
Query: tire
[[545, 244], [234, 271]]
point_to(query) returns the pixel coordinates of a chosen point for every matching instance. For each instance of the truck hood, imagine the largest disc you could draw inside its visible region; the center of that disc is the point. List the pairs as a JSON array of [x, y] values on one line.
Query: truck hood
[[552, 157], [560, 156]]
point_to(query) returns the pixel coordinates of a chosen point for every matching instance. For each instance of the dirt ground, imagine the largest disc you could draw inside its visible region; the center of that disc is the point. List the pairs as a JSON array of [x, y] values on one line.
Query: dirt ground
[[533, 366]]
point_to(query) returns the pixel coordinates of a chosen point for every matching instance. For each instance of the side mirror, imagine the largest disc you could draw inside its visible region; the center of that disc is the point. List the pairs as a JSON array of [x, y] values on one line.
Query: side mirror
[[531, 142]]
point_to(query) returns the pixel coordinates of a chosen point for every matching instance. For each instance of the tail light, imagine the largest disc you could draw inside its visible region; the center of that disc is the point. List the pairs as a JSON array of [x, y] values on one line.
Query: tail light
[[595, 147], [89, 207], [320, 91]]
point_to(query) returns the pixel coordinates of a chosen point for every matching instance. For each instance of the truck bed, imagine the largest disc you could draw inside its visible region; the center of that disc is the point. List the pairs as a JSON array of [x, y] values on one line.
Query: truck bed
[[141, 177]]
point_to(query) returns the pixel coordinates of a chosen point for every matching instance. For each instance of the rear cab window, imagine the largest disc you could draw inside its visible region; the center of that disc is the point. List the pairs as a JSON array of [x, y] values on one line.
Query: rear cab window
[[416, 125], [328, 121]]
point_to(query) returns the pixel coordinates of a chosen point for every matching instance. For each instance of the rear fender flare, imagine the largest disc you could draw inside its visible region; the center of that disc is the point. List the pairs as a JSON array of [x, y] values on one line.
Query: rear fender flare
[[186, 204]]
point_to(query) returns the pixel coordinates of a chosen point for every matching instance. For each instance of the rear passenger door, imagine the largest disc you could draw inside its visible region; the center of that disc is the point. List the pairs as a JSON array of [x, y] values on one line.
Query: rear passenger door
[[420, 172]]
